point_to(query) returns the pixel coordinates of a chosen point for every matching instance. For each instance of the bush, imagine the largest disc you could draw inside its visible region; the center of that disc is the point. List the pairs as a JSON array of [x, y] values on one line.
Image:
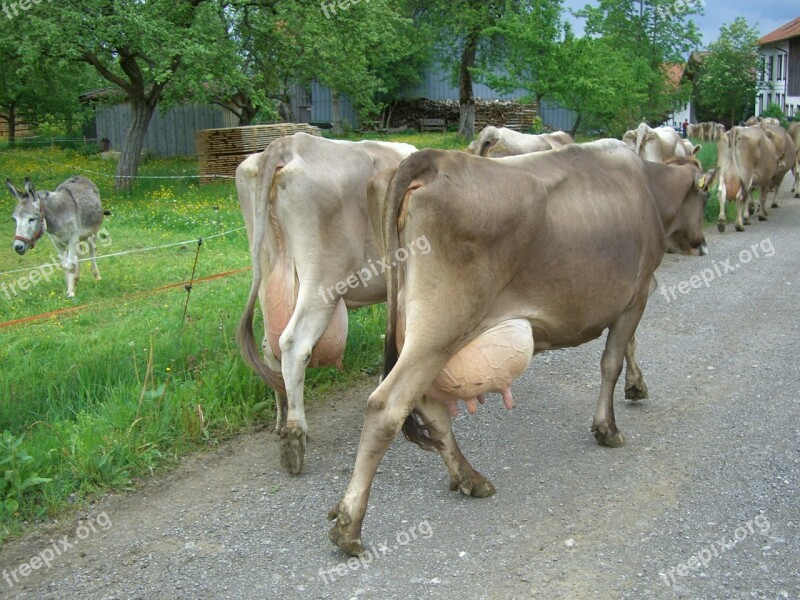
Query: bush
[[775, 111]]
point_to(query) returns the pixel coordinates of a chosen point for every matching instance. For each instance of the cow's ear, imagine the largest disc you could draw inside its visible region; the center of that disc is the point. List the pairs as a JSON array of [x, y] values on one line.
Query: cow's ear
[[703, 180], [29, 187], [12, 190], [696, 149]]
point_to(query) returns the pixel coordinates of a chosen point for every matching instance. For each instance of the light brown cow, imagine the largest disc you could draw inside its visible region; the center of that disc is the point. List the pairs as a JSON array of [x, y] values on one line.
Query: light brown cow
[[794, 133], [527, 254], [746, 159], [786, 150], [657, 145], [313, 255], [496, 142]]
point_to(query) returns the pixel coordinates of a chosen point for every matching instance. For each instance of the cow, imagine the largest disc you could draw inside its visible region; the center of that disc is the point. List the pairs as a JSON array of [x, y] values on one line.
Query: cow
[[657, 145], [498, 142], [752, 121], [528, 253], [689, 148], [786, 151], [746, 159], [71, 214], [794, 133], [313, 257]]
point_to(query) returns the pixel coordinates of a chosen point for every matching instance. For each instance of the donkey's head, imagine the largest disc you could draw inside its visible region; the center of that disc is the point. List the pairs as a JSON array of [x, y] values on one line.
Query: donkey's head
[[29, 216]]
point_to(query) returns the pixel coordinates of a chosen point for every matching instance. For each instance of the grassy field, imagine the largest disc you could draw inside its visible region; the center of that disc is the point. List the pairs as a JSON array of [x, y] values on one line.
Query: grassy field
[[120, 384]]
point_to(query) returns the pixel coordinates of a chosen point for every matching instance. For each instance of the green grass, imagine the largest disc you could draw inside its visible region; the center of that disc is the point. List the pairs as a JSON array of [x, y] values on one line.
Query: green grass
[[120, 389]]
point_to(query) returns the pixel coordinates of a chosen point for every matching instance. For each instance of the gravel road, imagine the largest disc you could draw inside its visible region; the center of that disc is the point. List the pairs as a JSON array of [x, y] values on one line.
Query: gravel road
[[702, 502]]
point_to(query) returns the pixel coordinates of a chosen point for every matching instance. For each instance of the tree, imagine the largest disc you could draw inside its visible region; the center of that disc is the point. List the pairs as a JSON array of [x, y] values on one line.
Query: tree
[[153, 50], [650, 33], [467, 28], [530, 52], [599, 83], [30, 93], [728, 77]]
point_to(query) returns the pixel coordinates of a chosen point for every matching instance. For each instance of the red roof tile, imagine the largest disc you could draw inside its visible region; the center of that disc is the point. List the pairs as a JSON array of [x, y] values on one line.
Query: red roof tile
[[784, 32]]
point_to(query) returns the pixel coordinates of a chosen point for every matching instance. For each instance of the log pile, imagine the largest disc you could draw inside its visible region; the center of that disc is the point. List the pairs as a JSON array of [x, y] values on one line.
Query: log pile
[[514, 115], [221, 150]]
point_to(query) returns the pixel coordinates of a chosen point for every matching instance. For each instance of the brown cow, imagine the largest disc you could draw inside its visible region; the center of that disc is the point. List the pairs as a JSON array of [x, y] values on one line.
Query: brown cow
[[786, 150], [497, 142], [746, 159], [304, 201], [794, 133], [527, 254], [657, 145]]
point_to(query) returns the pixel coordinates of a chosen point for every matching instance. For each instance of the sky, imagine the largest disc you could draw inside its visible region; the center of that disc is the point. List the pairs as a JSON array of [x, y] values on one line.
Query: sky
[[767, 15]]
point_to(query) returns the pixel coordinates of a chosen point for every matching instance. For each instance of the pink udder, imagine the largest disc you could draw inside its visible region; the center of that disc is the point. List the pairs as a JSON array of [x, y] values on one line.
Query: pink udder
[[281, 299], [489, 363]]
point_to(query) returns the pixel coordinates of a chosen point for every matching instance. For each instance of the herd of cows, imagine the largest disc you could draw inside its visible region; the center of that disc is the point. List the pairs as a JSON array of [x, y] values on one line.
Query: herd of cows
[[534, 243]]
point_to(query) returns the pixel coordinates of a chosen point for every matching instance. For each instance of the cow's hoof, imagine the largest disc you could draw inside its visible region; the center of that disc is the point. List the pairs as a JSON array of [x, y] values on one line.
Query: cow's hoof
[[340, 533], [775, 205], [636, 391], [762, 218], [741, 227], [721, 226], [293, 449], [606, 437], [475, 485]]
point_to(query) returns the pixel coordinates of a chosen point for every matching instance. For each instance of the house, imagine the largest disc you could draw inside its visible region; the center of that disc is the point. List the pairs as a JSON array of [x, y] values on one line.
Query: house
[[682, 111], [780, 76]]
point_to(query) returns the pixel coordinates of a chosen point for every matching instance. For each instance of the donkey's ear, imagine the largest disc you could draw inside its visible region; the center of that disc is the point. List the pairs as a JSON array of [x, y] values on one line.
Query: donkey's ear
[[29, 187], [12, 189]]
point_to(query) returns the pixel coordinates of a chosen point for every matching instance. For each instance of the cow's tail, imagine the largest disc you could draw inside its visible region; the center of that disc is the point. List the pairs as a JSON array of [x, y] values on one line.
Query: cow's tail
[[264, 196], [414, 172]]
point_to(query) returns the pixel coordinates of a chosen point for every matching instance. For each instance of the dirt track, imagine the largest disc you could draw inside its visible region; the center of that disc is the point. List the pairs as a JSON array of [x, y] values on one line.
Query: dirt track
[[702, 502]]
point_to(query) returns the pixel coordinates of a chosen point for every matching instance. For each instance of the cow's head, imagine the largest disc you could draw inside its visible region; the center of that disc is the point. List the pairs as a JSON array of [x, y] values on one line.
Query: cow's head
[[686, 233], [28, 215]]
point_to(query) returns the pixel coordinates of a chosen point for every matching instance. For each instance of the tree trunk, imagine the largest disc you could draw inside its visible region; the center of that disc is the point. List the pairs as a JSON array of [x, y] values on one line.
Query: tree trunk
[[128, 167], [466, 101], [575, 126], [12, 123], [336, 119]]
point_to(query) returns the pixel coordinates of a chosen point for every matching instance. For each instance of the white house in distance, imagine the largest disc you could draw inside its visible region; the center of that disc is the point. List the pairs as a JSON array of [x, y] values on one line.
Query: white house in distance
[[682, 111], [781, 74]]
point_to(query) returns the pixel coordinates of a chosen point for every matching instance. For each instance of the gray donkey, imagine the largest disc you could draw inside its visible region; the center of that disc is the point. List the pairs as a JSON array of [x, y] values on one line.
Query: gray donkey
[[70, 215]]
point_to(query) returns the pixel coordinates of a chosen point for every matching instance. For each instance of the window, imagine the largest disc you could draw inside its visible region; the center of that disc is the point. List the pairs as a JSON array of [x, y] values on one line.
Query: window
[[770, 65], [780, 67]]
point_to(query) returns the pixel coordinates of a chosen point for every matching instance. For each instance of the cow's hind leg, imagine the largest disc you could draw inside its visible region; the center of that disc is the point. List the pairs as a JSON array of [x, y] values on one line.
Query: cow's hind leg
[[721, 194], [604, 426], [463, 477], [387, 409], [308, 323], [635, 387]]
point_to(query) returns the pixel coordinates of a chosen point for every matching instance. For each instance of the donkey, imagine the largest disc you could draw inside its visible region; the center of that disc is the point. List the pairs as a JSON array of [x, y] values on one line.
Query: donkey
[[70, 215]]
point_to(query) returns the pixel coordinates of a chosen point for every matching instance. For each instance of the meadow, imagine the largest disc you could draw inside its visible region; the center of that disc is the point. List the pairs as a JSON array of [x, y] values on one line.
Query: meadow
[[117, 383]]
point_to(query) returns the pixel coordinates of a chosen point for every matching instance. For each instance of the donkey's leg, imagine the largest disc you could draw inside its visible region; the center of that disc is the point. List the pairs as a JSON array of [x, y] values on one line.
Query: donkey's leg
[[69, 261], [620, 333], [463, 477], [309, 320], [92, 247]]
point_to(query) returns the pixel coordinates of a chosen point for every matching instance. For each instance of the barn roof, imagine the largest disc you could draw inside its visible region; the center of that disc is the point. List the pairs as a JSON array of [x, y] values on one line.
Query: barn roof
[[784, 32]]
